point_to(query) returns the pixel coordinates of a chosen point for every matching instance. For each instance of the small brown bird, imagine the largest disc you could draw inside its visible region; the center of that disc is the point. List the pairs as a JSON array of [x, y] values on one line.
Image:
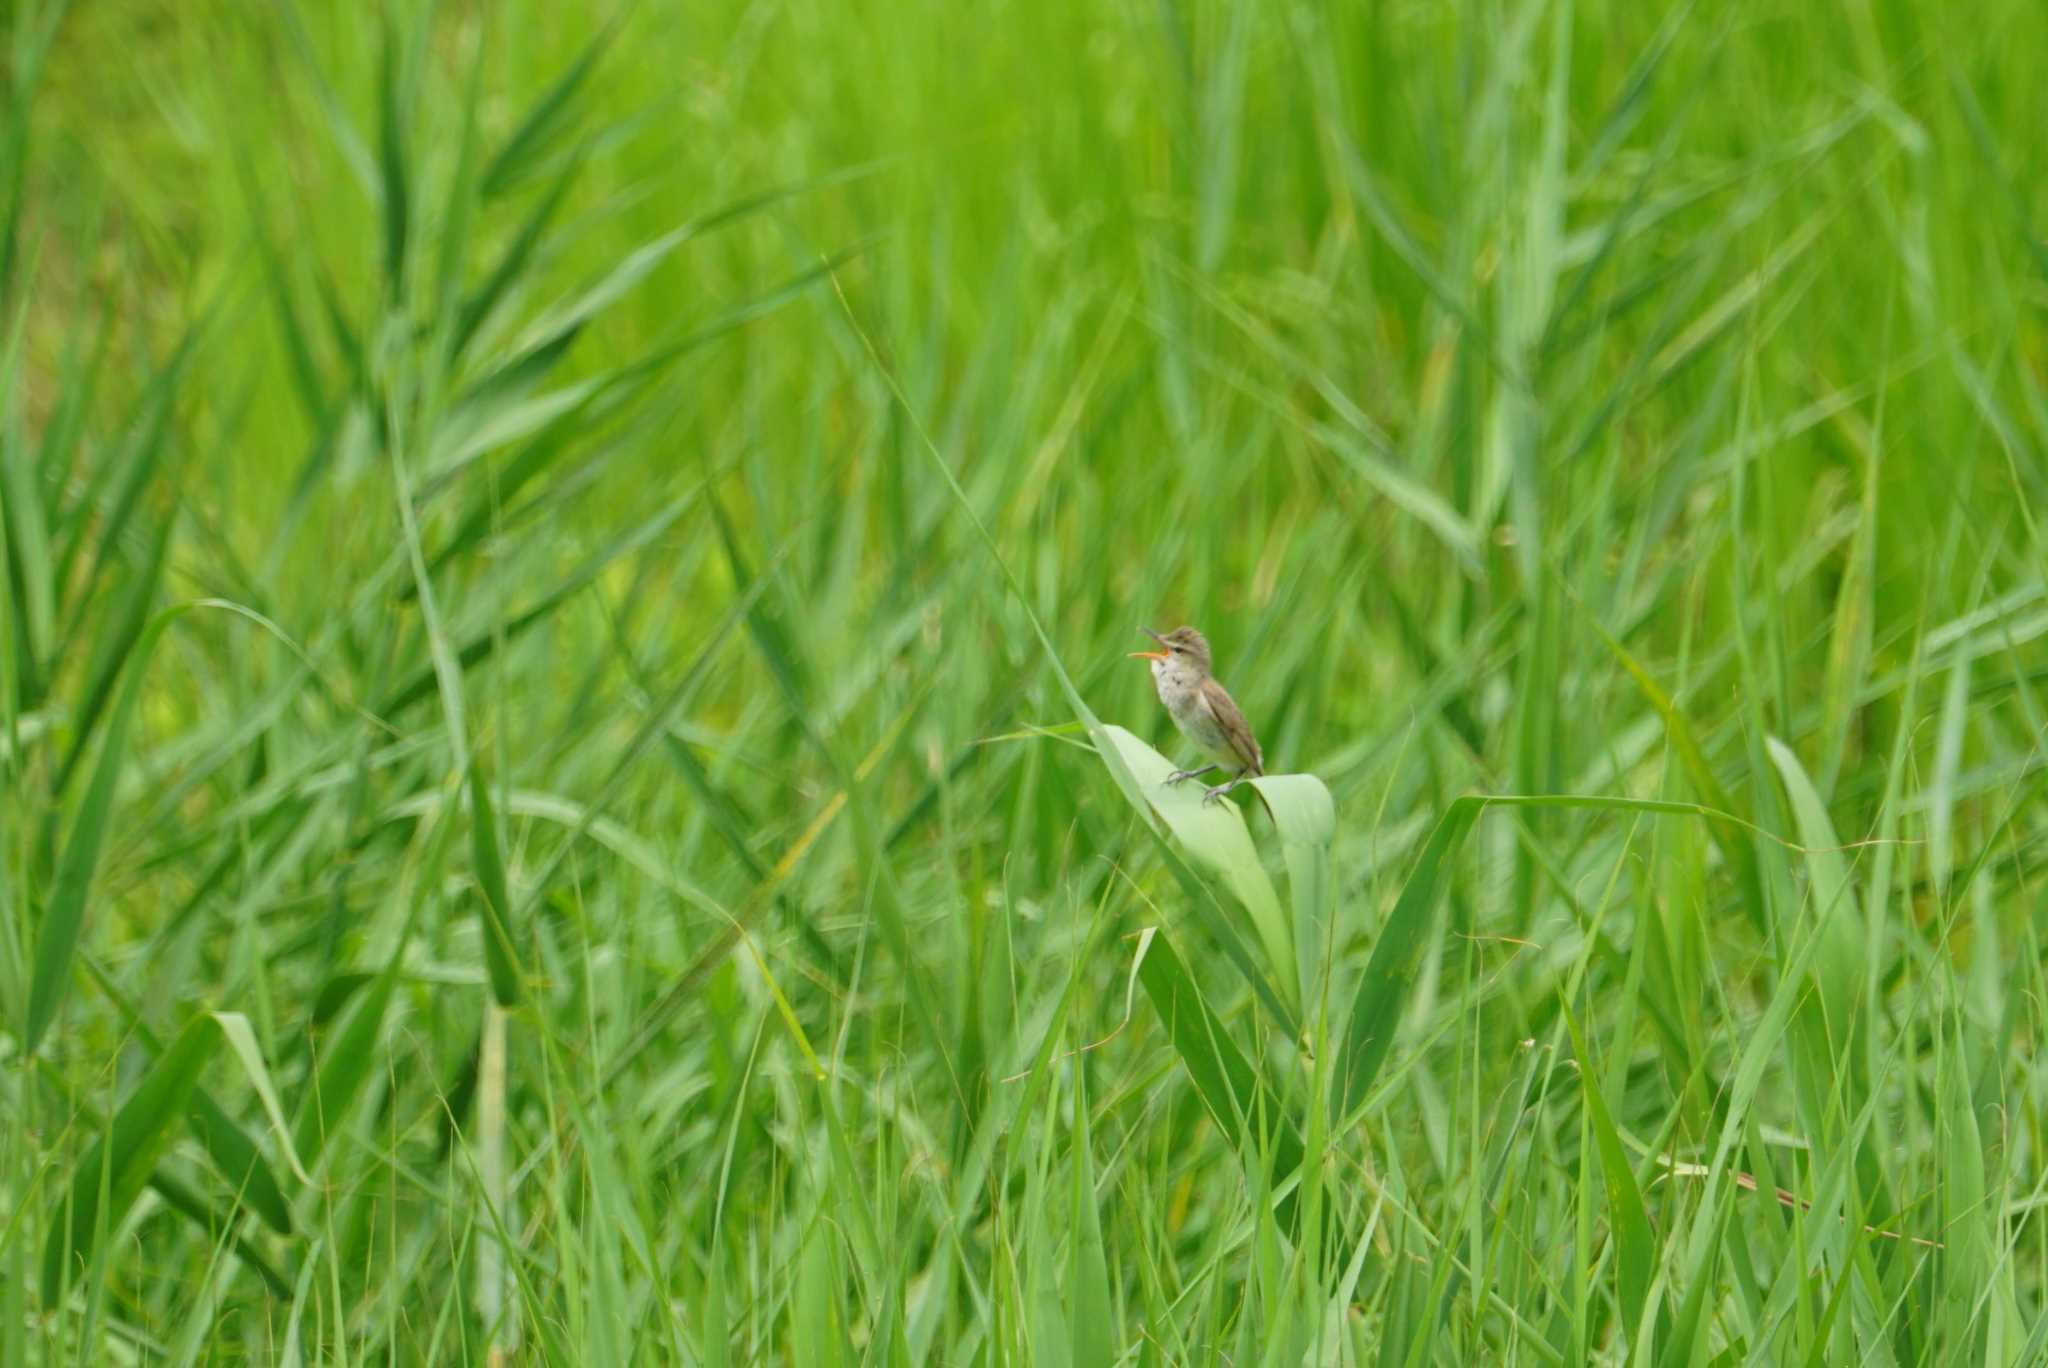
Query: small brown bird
[[1202, 709]]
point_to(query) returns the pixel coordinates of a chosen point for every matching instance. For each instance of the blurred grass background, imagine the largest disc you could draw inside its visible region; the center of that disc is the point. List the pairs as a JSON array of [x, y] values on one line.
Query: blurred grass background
[[466, 561]]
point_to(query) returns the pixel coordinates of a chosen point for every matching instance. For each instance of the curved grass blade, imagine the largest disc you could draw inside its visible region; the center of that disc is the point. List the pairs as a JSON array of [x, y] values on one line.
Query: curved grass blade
[[127, 1153], [242, 1040]]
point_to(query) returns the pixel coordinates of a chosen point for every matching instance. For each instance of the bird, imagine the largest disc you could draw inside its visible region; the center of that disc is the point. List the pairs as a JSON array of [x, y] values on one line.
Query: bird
[[1202, 709]]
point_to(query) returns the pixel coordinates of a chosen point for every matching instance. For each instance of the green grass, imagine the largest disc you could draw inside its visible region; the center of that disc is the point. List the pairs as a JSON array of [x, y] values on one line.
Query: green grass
[[570, 789]]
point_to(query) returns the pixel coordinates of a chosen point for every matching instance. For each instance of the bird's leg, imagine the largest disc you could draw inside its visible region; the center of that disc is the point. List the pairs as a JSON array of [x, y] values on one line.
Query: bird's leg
[[1215, 795], [1178, 775]]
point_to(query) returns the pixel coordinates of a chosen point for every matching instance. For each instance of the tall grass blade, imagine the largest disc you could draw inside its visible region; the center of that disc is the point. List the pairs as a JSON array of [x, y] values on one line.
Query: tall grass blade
[[64, 915], [1243, 1108], [495, 906], [1389, 973], [1634, 1245], [545, 119], [1089, 1316]]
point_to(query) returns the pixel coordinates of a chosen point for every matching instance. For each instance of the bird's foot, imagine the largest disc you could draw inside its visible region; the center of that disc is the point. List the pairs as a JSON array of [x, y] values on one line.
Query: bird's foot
[[1178, 775], [1215, 795]]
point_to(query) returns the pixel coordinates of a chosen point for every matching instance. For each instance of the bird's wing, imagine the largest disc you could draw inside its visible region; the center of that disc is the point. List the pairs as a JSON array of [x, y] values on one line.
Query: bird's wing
[[1243, 744]]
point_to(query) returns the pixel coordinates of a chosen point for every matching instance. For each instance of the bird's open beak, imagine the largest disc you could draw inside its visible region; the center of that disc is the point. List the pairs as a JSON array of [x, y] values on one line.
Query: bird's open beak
[[1150, 655]]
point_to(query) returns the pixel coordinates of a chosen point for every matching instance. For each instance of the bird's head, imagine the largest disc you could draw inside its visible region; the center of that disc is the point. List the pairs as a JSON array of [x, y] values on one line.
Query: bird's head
[[1183, 644]]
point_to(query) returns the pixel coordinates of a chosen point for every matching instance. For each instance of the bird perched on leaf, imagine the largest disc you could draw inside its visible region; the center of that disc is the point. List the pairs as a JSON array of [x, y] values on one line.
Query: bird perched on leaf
[[1202, 709]]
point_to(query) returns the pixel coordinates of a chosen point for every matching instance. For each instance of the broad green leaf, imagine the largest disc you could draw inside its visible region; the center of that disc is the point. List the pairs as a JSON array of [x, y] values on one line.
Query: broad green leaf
[[1306, 819], [1835, 911], [206, 1218], [1701, 1286], [126, 1153], [234, 1153], [1242, 1105], [815, 1334], [239, 1161], [1635, 1247], [504, 412], [1215, 834], [208, 1221], [1849, 635], [350, 1056], [335, 993], [242, 1040]]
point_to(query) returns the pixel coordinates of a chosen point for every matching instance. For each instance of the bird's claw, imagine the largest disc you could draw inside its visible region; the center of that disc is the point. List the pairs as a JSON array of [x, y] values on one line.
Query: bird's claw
[[1179, 775]]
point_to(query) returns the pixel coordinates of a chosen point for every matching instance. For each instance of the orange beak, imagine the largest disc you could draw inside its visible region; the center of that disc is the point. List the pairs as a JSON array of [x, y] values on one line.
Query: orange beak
[[1150, 655]]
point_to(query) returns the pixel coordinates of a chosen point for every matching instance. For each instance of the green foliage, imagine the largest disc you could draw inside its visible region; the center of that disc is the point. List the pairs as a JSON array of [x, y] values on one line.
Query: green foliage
[[565, 580]]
